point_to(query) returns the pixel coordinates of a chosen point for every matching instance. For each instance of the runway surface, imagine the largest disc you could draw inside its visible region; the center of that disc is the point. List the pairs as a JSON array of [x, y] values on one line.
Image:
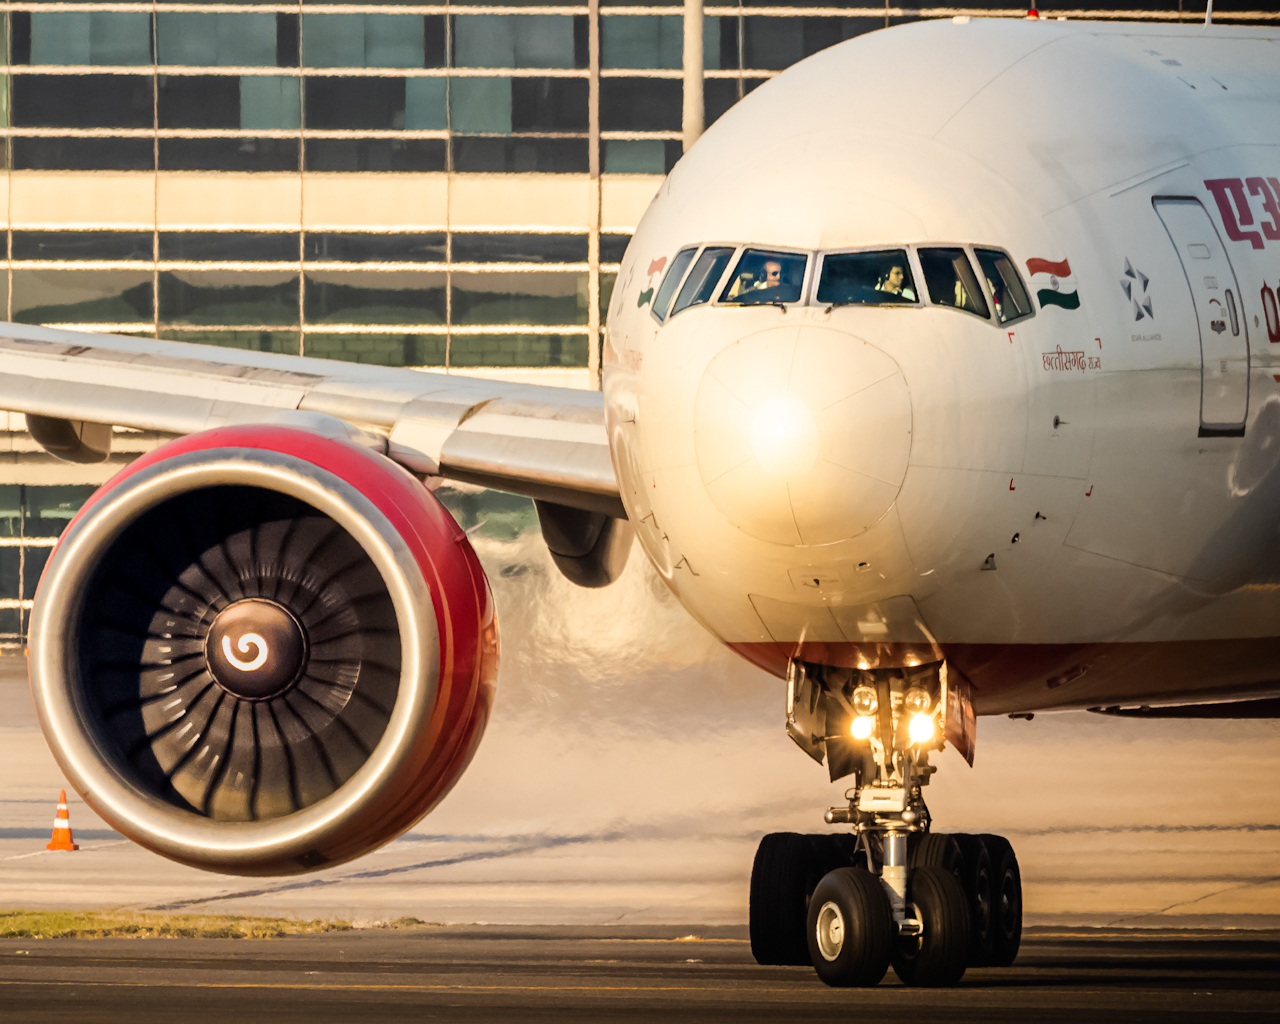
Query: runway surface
[[637, 974]]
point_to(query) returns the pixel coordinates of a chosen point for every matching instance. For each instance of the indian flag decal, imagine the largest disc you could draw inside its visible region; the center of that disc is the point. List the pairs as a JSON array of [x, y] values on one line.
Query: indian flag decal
[[1053, 283]]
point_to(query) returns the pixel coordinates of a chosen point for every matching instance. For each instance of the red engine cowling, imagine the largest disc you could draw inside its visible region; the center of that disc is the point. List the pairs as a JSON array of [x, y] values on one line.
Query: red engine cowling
[[261, 651]]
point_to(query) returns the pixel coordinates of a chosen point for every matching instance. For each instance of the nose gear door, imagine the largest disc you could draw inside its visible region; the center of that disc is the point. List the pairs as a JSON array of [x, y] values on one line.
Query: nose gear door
[[1220, 321]]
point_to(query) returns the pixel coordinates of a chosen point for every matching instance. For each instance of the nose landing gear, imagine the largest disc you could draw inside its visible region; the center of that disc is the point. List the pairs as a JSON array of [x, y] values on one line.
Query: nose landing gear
[[892, 892]]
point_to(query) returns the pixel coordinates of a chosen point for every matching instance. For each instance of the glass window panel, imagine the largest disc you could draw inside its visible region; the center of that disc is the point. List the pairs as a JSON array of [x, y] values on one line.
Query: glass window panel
[[82, 101], [484, 41], [549, 104], [34, 560], [950, 280], [647, 156], [228, 154], [229, 297], [613, 247], [355, 103], [547, 156], [480, 105], [763, 277], [199, 101], [379, 349], [10, 524], [489, 513], [475, 247], [83, 154], [10, 584], [425, 103], [772, 44], [640, 104], [270, 102], [283, 342], [544, 41], [393, 41], [82, 245], [368, 297], [607, 281], [518, 350], [675, 271], [48, 511], [287, 41], [433, 41], [81, 296], [641, 42], [100, 37], [702, 280], [376, 154], [1007, 292], [511, 298], [229, 245], [333, 40], [217, 40], [375, 248], [11, 622], [867, 279]]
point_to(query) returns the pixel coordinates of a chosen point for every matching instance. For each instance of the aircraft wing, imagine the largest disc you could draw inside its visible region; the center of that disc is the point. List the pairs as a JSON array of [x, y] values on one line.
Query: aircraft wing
[[545, 442]]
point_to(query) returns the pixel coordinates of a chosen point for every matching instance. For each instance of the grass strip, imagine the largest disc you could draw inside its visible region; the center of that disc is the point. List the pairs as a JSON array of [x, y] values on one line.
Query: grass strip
[[103, 924]]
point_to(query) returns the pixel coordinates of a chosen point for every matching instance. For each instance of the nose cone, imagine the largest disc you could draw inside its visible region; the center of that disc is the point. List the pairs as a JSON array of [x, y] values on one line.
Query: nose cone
[[802, 434]]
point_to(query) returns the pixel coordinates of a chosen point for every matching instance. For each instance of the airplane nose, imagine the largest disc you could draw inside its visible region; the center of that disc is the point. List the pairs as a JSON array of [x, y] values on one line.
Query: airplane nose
[[802, 434]]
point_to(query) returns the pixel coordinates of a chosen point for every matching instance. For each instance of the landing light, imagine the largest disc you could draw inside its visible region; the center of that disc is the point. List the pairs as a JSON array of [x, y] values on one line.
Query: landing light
[[917, 700], [861, 727], [864, 701], [920, 728], [784, 436]]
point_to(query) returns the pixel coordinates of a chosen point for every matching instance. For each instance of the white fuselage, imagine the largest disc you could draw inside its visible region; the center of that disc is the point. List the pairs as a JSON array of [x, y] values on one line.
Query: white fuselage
[[1075, 507]]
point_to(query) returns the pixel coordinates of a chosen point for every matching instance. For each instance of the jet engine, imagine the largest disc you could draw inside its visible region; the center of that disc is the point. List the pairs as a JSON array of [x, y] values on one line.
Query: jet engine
[[258, 650]]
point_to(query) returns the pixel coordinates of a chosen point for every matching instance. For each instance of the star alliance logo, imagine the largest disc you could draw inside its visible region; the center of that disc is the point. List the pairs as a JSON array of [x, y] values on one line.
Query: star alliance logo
[[1135, 284]]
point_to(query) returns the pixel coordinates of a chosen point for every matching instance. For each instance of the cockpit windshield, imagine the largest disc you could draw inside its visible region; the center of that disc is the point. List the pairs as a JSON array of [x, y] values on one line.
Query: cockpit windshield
[[763, 277], [866, 279]]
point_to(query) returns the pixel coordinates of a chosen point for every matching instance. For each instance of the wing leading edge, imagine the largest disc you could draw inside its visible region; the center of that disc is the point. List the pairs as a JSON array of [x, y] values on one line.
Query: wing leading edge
[[548, 443]]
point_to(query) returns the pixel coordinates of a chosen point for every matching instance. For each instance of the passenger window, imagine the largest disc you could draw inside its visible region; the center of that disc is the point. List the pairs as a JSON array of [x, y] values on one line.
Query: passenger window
[[703, 279], [1007, 293], [950, 280], [867, 279], [762, 277], [1231, 312], [674, 273]]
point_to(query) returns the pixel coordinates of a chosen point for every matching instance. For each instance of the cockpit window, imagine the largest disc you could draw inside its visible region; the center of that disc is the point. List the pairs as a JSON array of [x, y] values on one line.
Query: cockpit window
[[1007, 293], [762, 277], [703, 278], [950, 280], [867, 279], [674, 273]]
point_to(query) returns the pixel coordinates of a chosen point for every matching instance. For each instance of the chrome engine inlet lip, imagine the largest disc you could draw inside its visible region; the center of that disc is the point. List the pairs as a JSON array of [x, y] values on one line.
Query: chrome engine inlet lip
[[276, 845]]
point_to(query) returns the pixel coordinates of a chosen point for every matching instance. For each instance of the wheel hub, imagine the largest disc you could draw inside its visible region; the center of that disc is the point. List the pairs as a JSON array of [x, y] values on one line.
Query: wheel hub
[[830, 931], [256, 649]]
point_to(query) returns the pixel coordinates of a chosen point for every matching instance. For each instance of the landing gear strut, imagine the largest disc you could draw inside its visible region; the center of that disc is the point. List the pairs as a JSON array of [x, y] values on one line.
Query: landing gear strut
[[892, 892]]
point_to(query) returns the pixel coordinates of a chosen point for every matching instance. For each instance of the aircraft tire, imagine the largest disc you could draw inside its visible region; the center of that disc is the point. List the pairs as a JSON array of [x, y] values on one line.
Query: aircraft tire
[[938, 956], [933, 849], [850, 929], [788, 867], [1006, 901], [976, 878]]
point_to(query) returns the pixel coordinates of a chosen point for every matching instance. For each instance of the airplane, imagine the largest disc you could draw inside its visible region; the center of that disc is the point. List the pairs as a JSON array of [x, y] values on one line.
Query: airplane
[[940, 380]]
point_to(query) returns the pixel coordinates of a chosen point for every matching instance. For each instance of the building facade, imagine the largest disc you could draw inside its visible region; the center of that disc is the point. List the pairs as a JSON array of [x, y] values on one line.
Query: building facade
[[441, 185]]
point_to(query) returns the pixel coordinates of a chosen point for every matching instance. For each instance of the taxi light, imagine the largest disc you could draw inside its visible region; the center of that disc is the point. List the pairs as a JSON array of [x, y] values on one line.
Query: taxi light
[[864, 701], [917, 701], [920, 728], [861, 727]]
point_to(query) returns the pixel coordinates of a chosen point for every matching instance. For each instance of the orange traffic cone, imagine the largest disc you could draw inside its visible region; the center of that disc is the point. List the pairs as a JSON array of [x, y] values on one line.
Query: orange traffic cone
[[62, 827]]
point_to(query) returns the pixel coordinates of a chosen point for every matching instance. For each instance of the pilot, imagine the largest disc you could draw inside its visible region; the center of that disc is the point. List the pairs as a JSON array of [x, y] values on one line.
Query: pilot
[[772, 275], [891, 282]]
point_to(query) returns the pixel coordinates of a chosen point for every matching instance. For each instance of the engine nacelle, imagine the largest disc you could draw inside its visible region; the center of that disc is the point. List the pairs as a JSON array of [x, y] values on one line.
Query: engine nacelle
[[261, 651]]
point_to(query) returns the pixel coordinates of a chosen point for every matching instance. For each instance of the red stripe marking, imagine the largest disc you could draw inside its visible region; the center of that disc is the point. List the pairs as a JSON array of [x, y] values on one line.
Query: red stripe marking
[[1035, 265]]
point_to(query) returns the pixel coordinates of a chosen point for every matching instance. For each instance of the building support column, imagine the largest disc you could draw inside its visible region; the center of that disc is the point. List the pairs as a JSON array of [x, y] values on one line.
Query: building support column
[[593, 194], [694, 115]]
